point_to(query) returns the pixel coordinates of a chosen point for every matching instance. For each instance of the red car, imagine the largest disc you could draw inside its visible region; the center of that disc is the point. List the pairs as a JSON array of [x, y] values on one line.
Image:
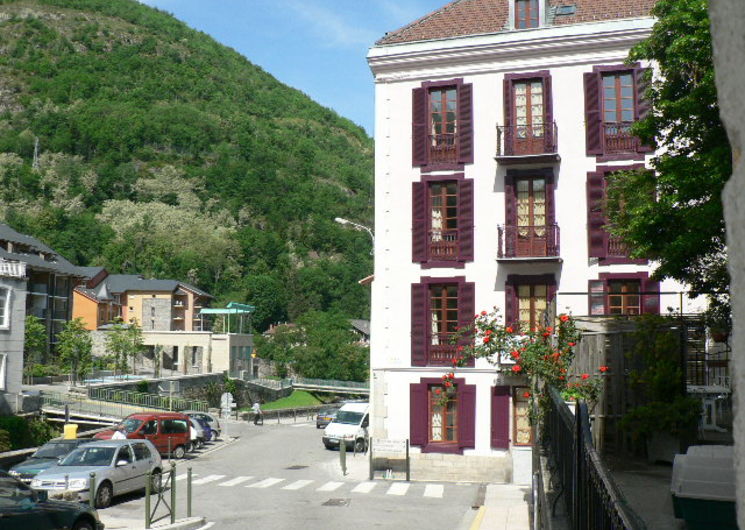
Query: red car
[[168, 431]]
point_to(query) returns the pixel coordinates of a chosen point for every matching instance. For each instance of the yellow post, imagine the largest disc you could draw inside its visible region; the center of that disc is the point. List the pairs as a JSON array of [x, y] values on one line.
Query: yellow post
[[71, 431]]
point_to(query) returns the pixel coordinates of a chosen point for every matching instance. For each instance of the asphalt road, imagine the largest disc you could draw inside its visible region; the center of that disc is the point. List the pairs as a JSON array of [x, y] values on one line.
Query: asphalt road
[[281, 477]]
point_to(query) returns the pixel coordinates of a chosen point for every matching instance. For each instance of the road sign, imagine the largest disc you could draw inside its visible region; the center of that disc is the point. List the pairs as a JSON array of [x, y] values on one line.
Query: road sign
[[226, 400]]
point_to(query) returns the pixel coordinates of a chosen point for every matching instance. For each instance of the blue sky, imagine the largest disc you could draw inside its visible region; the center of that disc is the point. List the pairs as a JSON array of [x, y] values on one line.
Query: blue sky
[[316, 46]]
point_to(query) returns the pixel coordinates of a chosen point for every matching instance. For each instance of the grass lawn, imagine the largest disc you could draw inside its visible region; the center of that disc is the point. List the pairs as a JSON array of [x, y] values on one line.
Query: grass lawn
[[298, 398]]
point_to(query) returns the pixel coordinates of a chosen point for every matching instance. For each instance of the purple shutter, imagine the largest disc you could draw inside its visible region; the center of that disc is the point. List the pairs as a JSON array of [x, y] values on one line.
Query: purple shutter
[[465, 124], [510, 217], [508, 132], [466, 311], [551, 232], [418, 414], [467, 416], [650, 302], [419, 225], [549, 102], [500, 417], [593, 119], [419, 128], [596, 235], [465, 219], [641, 80], [510, 305], [419, 305]]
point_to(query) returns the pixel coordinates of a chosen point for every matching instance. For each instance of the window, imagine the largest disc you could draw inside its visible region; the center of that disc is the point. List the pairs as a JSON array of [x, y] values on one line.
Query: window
[[527, 299], [194, 355], [443, 418], [438, 307], [4, 308], [530, 229], [615, 97], [529, 112], [124, 454], [174, 426], [623, 294], [442, 222], [174, 354], [151, 427], [141, 451], [528, 128], [522, 431], [442, 134], [526, 14]]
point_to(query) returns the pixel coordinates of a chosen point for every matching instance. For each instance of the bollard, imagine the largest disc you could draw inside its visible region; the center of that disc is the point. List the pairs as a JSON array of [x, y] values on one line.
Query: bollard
[[408, 463], [343, 456], [188, 491], [173, 492], [92, 490], [148, 483], [294, 415], [278, 417], [370, 448]]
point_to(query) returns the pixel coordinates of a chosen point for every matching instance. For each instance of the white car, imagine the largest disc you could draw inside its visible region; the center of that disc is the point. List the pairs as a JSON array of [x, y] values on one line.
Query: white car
[[120, 466], [348, 427]]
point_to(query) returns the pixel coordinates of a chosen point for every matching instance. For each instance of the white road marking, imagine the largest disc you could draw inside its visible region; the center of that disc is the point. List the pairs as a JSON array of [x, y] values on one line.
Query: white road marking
[[300, 424], [398, 488], [330, 486], [434, 490], [183, 476], [208, 478], [364, 487], [266, 483], [235, 481], [297, 485]]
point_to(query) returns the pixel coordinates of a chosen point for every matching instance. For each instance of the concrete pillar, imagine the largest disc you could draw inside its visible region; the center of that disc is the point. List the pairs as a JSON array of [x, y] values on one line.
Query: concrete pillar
[[728, 21]]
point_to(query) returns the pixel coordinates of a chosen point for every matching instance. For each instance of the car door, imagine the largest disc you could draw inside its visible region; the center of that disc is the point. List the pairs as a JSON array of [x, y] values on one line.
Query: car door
[[19, 509], [124, 475], [150, 432], [143, 462]]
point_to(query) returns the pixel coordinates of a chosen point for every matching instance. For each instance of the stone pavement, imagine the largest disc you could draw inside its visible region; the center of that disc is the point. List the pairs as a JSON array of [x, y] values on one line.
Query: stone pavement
[[505, 508]]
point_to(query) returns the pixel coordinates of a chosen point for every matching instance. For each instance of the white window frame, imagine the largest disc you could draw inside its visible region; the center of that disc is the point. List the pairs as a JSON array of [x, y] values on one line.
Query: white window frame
[[541, 15], [3, 371], [5, 321]]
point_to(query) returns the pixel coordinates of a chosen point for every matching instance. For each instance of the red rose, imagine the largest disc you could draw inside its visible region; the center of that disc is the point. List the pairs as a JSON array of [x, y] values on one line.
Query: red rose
[[563, 318], [486, 340], [585, 376], [549, 329], [509, 329], [489, 332], [561, 378], [526, 395], [451, 375], [448, 384], [563, 370], [603, 368], [460, 348], [438, 391], [572, 344], [517, 368], [546, 334], [445, 376], [483, 313]]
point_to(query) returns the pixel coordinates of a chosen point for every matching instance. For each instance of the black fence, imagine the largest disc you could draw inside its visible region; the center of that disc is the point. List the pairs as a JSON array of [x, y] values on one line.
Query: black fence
[[593, 501]]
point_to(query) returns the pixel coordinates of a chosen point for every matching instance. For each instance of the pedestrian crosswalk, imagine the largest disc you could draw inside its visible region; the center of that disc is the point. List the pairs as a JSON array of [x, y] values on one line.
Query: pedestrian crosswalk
[[399, 489]]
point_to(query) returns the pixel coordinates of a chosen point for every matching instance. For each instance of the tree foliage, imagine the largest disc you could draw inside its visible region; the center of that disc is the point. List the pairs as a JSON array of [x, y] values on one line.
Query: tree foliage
[[74, 345], [34, 342], [164, 153], [125, 343], [673, 214]]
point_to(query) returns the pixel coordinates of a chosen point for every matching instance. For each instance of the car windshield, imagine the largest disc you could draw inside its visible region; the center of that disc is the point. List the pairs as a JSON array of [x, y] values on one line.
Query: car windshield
[[53, 450], [89, 456], [131, 424], [348, 418], [327, 412]]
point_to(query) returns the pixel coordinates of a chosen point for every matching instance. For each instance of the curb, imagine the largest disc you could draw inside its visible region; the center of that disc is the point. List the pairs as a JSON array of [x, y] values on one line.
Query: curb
[[190, 523]]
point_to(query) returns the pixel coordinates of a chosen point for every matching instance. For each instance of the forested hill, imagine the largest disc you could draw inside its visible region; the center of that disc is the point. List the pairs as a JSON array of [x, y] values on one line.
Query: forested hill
[[164, 153]]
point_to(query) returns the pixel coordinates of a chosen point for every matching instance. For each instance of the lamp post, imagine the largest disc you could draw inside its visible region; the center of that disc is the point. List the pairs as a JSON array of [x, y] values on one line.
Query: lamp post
[[357, 226]]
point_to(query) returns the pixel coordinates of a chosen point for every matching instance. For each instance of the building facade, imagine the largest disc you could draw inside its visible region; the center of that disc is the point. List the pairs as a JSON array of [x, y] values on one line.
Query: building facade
[[12, 325], [497, 124]]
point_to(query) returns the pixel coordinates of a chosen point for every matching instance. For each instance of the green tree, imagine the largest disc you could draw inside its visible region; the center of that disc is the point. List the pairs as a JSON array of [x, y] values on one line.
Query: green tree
[[34, 342], [74, 345], [673, 214], [124, 342]]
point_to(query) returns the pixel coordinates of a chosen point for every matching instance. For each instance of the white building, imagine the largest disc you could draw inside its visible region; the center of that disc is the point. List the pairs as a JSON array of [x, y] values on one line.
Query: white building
[[496, 123]]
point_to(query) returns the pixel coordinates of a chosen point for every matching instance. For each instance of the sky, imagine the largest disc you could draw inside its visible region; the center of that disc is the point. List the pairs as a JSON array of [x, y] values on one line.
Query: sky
[[316, 46]]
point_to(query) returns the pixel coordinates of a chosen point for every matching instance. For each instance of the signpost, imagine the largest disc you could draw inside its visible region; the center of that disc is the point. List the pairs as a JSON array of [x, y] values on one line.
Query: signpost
[[226, 404], [393, 449]]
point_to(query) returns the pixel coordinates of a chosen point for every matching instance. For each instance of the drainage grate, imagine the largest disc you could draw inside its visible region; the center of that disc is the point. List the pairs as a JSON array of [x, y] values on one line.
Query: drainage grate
[[337, 502], [295, 468]]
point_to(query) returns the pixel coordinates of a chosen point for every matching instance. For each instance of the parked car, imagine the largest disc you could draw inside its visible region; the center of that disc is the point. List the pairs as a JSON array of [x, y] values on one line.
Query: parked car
[[213, 420], [120, 466], [45, 456], [168, 431], [209, 434], [349, 427], [196, 433], [22, 508], [325, 416]]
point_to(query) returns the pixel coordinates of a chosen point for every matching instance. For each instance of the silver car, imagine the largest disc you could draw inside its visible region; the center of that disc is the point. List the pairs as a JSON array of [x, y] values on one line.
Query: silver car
[[120, 466], [211, 419]]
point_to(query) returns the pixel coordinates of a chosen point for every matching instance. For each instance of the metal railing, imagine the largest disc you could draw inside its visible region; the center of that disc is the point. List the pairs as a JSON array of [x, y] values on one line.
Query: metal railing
[[80, 405], [443, 245], [14, 269], [151, 401], [539, 241], [617, 138], [592, 498], [443, 148], [334, 383], [527, 140]]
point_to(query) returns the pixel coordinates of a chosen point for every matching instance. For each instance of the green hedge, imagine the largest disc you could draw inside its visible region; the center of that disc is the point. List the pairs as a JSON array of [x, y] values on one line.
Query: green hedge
[[23, 433]]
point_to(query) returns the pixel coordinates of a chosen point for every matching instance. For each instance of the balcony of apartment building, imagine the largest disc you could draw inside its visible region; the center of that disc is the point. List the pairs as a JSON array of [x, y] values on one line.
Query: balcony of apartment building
[[527, 144], [618, 140], [518, 243]]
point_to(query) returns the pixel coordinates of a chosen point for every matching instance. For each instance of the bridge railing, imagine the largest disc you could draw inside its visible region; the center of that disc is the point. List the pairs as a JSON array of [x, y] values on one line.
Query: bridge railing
[[151, 401], [331, 383]]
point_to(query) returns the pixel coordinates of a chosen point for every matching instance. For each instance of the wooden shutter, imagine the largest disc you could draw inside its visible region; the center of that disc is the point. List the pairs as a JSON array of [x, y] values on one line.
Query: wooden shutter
[[418, 411], [419, 224], [465, 124], [466, 311], [419, 127], [465, 220], [510, 304], [467, 416], [510, 201], [548, 100], [593, 118], [500, 417], [641, 80], [650, 302], [596, 234], [419, 306], [508, 120]]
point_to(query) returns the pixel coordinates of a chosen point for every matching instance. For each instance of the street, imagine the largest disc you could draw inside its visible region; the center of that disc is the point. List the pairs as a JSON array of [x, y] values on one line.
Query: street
[[280, 476]]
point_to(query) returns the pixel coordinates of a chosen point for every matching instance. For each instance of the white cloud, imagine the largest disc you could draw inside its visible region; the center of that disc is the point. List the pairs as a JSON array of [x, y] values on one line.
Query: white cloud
[[328, 25]]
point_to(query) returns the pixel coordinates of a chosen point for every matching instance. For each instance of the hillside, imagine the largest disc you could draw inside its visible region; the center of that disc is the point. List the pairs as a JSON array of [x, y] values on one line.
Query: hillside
[[162, 152]]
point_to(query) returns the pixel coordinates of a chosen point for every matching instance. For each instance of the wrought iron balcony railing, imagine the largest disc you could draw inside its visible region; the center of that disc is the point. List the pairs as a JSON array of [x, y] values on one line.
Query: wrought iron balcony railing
[[443, 148], [516, 141], [538, 241], [441, 349], [443, 245], [617, 138]]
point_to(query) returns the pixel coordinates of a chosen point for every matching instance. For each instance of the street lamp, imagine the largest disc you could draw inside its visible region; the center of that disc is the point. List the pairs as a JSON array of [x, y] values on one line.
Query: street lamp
[[357, 226]]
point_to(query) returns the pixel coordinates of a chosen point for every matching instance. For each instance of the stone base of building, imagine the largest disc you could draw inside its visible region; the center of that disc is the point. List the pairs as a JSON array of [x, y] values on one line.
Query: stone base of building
[[461, 468]]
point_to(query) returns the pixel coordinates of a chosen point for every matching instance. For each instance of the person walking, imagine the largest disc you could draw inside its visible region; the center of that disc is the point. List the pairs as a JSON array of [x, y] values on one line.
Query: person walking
[[119, 433], [258, 415]]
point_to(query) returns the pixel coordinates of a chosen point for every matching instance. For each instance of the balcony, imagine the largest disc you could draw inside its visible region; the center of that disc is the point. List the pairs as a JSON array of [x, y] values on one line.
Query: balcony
[[522, 144], [443, 245], [13, 269], [528, 243], [441, 350], [617, 139], [443, 148], [616, 247]]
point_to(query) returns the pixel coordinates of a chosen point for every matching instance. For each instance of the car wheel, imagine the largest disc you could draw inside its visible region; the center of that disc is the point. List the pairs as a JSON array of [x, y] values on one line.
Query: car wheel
[[179, 452], [104, 495], [328, 446], [156, 481], [83, 525], [360, 446]]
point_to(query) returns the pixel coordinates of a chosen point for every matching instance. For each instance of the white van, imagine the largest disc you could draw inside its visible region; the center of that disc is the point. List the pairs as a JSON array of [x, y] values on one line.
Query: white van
[[350, 426]]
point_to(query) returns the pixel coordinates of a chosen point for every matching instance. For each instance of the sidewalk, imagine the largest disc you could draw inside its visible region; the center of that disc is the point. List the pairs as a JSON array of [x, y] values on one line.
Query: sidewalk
[[505, 508]]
